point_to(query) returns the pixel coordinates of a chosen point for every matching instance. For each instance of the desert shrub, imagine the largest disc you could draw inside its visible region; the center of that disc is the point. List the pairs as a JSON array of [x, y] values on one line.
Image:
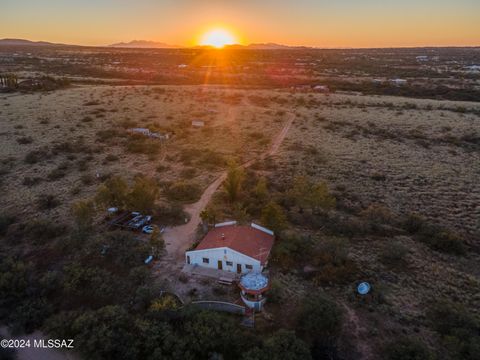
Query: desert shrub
[[111, 157], [47, 201], [41, 231], [31, 181], [234, 182], [377, 176], [25, 140], [393, 253], [143, 145], [143, 194], [319, 322], [188, 155], [275, 293], [171, 214], [86, 119], [107, 135], [91, 103], [5, 222], [332, 263], [125, 250], [82, 165], [290, 249], [378, 220], [183, 191], [127, 123], [83, 213], [377, 214], [211, 159], [21, 303], [406, 349], [459, 328], [209, 332], [413, 223], [35, 156], [56, 174], [67, 147], [309, 195], [283, 345], [273, 217], [188, 173], [113, 192], [441, 239]]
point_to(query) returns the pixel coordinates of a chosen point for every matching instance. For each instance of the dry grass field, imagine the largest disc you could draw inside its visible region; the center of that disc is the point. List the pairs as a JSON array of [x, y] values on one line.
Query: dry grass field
[[412, 155], [67, 142]]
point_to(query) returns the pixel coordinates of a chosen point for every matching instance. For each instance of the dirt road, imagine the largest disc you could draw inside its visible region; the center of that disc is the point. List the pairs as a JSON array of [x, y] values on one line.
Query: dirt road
[[179, 238], [359, 333]]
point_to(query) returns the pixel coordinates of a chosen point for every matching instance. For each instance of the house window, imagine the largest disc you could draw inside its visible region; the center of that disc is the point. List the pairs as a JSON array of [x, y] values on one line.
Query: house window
[[249, 267], [206, 260], [229, 263]]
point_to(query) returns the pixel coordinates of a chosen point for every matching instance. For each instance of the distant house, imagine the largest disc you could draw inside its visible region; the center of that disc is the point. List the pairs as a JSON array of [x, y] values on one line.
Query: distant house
[[398, 82], [321, 88], [198, 123], [472, 68], [421, 58], [146, 132], [233, 248]]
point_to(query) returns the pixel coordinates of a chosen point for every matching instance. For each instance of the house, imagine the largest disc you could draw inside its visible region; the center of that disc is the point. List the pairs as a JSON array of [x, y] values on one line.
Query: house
[[321, 88], [233, 248], [398, 82], [198, 123], [148, 133], [421, 58]]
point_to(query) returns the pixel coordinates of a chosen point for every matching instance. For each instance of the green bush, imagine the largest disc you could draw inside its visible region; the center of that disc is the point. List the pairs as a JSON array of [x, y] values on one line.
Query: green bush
[[283, 345], [47, 202], [5, 222], [406, 349], [172, 214], [442, 240], [142, 145], [42, 230], [183, 191], [35, 156], [393, 253], [459, 328], [319, 323]]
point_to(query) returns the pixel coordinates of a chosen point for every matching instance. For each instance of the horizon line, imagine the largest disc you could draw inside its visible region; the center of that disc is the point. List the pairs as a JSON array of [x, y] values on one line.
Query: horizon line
[[242, 45]]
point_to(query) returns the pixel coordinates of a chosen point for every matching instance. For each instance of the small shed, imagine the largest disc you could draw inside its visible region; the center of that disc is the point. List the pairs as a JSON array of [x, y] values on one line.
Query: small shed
[[321, 88], [198, 123]]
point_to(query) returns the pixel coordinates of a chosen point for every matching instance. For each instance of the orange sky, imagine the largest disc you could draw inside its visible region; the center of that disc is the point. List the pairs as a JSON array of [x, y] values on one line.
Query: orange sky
[[341, 23]]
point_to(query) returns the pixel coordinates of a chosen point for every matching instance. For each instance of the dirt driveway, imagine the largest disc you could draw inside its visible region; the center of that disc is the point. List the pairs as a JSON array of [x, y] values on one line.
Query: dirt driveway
[[179, 238]]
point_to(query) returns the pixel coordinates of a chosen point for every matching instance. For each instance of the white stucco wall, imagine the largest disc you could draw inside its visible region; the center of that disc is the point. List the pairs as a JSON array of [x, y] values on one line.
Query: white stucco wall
[[223, 254]]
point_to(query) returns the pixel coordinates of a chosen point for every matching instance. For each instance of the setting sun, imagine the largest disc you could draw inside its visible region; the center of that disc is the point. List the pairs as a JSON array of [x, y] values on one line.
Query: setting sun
[[217, 38]]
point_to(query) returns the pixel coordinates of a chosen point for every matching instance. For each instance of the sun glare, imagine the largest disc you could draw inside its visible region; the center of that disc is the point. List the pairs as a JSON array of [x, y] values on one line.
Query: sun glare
[[217, 38]]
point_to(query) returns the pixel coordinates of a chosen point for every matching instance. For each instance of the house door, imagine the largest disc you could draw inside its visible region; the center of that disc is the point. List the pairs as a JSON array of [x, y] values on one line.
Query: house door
[[188, 259], [220, 265], [239, 268]]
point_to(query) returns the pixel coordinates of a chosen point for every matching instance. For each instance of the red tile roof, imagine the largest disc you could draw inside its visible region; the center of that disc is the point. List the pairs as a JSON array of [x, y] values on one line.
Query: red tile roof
[[244, 239]]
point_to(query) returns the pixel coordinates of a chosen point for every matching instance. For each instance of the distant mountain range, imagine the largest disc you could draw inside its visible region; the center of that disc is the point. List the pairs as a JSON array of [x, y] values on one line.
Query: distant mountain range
[[27, 42], [144, 44]]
